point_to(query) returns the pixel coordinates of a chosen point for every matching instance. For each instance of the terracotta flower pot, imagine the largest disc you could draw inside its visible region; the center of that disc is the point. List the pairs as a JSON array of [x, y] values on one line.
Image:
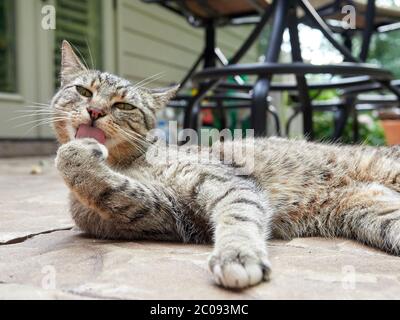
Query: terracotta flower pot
[[392, 131]]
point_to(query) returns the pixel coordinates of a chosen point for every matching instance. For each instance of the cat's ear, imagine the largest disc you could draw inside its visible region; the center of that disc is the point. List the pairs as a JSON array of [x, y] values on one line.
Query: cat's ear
[[70, 63], [163, 95]]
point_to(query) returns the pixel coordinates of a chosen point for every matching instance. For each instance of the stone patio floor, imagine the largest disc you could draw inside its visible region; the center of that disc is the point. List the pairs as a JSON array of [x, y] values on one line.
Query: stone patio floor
[[42, 256]]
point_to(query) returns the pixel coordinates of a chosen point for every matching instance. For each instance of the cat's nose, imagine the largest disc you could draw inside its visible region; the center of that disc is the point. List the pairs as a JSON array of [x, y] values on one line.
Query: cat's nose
[[95, 113]]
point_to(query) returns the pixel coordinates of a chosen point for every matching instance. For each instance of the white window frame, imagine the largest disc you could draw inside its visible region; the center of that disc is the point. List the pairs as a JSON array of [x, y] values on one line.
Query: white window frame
[[35, 67]]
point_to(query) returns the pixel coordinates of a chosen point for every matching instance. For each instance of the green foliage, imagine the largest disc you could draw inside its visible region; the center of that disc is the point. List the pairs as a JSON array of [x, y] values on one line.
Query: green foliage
[[384, 51], [370, 133], [370, 130], [323, 95]]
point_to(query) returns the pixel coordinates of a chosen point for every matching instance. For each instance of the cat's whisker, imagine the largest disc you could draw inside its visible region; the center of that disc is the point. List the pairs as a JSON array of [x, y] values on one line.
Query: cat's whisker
[[32, 115], [42, 124], [137, 138], [39, 112], [135, 147], [90, 54], [138, 145], [148, 80], [42, 119], [35, 109], [48, 122], [129, 139], [28, 116], [39, 104], [49, 116]]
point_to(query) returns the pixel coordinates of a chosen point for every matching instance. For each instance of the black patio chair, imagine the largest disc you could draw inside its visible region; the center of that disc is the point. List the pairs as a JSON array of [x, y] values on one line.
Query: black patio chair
[[211, 78]]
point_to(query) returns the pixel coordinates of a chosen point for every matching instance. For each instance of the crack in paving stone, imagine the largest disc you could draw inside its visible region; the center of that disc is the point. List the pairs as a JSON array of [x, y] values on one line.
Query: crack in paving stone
[[32, 235]]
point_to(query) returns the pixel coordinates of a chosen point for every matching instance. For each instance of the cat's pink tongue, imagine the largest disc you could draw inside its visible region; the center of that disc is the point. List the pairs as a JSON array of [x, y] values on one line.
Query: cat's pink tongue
[[86, 131]]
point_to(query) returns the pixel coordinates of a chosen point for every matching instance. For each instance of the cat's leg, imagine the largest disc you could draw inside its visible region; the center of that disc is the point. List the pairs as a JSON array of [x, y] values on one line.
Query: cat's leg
[[240, 214], [369, 213], [120, 201]]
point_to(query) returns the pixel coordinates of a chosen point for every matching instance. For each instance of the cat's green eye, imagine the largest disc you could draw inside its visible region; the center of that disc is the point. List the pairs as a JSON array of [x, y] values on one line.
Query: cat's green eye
[[124, 106], [84, 92]]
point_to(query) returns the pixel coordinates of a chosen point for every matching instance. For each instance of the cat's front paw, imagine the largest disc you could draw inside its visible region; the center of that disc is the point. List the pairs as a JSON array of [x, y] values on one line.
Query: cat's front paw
[[238, 268], [80, 152]]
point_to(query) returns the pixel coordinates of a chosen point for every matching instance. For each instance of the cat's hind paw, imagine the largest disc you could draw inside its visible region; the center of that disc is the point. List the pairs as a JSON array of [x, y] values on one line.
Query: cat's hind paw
[[238, 270]]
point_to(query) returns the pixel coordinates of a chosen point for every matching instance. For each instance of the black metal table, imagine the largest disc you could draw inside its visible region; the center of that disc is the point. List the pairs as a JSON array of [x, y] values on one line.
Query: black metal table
[[284, 13]]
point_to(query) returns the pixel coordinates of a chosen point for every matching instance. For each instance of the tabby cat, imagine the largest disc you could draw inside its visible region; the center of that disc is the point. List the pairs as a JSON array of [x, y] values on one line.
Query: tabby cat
[[294, 189]]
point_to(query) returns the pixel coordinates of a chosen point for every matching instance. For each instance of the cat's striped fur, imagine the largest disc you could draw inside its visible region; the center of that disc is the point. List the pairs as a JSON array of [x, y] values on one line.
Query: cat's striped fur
[[296, 189]]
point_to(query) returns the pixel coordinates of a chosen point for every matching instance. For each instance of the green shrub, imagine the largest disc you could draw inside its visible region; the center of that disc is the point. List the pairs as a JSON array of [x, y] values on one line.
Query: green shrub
[[370, 130]]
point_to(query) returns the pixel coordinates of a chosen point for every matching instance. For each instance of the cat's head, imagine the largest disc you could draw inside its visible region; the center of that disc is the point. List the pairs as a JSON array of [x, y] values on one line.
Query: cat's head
[[104, 106]]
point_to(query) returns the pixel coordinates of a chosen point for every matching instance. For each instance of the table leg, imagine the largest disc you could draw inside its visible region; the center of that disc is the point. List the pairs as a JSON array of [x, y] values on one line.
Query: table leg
[[192, 112]]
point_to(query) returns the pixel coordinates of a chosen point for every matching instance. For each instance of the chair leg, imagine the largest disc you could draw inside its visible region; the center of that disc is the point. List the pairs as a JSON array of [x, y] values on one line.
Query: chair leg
[[290, 120], [262, 86], [275, 116], [259, 107], [340, 120], [356, 129], [221, 114], [305, 101]]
